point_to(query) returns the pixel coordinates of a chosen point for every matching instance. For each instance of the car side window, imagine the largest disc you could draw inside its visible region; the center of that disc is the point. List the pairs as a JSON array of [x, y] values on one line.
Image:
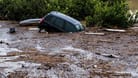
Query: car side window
[[50, 19], [69, 27], [59, 22]]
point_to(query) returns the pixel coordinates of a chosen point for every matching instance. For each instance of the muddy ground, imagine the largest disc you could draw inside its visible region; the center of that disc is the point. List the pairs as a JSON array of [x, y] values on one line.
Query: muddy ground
[[29, 54]]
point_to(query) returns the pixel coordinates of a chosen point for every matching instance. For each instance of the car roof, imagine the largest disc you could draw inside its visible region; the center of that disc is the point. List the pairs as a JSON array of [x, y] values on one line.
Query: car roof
[[63, 16]]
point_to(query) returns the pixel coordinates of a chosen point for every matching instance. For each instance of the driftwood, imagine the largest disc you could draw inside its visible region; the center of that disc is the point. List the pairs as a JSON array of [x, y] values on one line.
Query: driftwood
[[115, 30], [108, 55], [33, 29], [91, 33]]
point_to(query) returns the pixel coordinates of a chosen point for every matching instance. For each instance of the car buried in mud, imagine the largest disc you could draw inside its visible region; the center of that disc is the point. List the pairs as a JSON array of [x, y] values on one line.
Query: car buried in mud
[[56, 21]]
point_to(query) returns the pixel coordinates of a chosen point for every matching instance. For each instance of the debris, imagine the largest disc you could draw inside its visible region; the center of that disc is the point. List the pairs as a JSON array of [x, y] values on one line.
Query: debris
[[134, 28], [98, 53], [94, 66], [33, 29], [2, 42], [115, 30], [109, 41], [12, 30], [110, 55], [91, 33]]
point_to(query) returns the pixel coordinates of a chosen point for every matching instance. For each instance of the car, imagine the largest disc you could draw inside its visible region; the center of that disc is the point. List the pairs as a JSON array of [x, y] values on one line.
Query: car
[[30, 22], [59, 22]]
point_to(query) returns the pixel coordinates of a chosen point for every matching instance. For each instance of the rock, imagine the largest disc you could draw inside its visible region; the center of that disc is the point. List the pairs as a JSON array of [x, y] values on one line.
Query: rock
[[12, 30], [4, 42], [94, 66]]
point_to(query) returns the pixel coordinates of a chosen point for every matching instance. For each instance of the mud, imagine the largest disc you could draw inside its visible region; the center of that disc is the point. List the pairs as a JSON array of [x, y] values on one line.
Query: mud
[[29, 54]]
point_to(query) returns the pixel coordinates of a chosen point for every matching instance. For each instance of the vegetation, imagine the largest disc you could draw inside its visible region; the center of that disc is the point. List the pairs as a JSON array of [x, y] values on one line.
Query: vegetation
[[109, 13], [106, 13]]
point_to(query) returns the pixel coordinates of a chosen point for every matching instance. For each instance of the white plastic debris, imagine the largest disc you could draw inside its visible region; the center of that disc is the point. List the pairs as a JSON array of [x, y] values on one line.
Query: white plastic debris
[[33, 29], [115, 30], [91, 33]]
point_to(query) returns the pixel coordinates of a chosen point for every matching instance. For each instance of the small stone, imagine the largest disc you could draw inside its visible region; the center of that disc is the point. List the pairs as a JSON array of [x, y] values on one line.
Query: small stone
[[12, 30], [94, 66], [23, 66]]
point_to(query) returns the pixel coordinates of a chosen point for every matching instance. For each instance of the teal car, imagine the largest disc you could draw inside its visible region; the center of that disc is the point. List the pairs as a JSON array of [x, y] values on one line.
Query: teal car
[[56, 21]]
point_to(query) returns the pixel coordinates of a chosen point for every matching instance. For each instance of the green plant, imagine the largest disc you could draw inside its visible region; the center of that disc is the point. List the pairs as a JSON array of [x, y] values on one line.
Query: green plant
[[108, 14]]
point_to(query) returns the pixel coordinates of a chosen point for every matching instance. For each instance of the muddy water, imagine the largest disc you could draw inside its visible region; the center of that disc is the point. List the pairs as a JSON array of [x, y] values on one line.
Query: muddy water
[[69, 55], [4, 35]]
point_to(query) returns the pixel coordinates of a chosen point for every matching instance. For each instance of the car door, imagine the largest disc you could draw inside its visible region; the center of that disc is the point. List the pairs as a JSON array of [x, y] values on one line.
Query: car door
[[69, 27], [59, 24], [49, 20]]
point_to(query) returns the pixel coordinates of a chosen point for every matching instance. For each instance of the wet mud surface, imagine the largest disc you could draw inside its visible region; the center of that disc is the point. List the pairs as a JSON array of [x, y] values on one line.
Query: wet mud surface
[[29, 54]]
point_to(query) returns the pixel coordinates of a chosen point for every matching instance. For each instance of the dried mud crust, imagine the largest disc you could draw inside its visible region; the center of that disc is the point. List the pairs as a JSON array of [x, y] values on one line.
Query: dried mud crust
[[73, 55]]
